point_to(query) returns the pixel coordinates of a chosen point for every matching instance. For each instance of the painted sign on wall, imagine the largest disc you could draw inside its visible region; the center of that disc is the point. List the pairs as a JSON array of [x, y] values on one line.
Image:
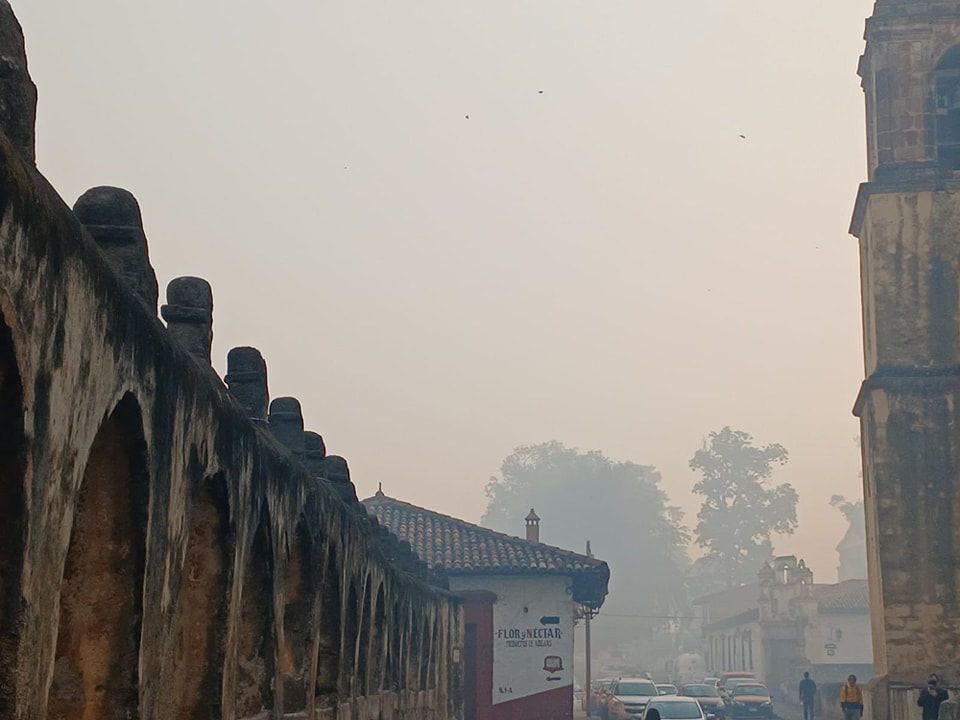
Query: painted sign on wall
[[532, 633], [532, 638]]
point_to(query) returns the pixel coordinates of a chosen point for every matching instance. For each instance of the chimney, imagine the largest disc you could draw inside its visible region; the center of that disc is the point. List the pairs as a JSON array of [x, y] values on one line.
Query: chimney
[[533, 527]]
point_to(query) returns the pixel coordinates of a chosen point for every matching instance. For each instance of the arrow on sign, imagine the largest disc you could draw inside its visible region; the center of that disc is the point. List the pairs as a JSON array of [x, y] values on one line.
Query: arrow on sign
[[549, 620]]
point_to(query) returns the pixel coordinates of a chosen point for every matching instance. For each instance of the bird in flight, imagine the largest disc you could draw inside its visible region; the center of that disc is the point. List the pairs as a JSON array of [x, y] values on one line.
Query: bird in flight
[[467, 117], [743, 137]]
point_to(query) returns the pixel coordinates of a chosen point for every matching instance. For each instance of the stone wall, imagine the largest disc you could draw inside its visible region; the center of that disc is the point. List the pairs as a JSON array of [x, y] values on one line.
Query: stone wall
[[907, 220], [168, 548]]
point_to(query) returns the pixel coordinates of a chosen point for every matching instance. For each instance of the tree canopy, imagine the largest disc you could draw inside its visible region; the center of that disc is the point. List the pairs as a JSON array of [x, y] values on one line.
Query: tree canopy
[[741, 507], [618, 506]]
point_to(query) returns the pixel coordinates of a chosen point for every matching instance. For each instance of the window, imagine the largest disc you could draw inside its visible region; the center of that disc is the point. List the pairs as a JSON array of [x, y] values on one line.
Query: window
[[947, 89]]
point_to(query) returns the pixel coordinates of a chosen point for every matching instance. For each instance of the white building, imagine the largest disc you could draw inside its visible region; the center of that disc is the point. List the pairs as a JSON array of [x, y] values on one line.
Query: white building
[[786, 624]]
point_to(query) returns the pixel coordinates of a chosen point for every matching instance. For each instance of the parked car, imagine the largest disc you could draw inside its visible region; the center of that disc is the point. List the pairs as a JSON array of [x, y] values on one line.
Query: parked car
[[628, 698], [715, 681], [749, 699], [673, 708], [729, 680], [709, 698], [665, 689], [599, 696]]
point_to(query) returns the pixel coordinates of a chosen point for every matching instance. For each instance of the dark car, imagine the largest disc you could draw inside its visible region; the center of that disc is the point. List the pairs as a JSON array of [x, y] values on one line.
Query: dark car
[[749, 699], [709, 698]]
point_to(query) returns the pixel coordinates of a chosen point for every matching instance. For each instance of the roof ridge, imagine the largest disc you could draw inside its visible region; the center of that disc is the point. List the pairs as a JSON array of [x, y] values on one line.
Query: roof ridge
[[380, 497]]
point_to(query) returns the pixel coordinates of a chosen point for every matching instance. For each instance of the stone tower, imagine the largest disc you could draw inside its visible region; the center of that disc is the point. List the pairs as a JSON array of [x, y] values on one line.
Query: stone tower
[[907, 219]]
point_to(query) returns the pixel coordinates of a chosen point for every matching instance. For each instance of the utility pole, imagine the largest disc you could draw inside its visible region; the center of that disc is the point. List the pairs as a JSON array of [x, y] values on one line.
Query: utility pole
[[586, 632]]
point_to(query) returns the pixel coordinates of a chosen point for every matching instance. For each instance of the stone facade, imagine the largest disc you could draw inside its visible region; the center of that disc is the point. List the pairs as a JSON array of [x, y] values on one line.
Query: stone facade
[[907, 220], [169, 547]]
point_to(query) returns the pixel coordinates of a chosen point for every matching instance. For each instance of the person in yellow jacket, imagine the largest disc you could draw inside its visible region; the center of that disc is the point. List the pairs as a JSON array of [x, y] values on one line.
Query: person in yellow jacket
[[851, 699]]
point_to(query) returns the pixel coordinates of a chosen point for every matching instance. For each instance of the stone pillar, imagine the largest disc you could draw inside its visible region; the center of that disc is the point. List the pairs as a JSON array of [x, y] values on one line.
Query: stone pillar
[[189, 315], [907, 221], [18, 94], [247, 380], [950, 710], [112, 217], [314, 454], [338, 475], [286, 424]]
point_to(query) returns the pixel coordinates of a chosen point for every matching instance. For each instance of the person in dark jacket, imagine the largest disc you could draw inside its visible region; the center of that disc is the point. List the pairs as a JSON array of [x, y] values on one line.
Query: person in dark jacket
[[932, 698], [808, 696]]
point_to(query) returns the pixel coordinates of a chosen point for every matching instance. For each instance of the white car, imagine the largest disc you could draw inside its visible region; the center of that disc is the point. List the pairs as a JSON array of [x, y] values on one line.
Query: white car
[[672, 707], [629, 698]]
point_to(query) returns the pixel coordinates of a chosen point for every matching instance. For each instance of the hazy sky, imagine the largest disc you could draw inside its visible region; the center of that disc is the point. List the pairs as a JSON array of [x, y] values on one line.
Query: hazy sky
[[605, 263]]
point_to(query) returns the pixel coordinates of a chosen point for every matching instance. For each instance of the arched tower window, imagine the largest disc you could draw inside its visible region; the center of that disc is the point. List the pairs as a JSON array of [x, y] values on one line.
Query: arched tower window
[[947, 88]]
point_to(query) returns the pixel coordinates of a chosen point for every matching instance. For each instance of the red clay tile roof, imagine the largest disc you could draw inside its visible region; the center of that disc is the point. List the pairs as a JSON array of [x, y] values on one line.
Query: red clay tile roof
[[850, 596], [456, 547]]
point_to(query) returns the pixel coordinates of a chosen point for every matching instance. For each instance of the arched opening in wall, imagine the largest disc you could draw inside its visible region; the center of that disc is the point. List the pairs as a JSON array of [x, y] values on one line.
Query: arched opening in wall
[[435, 648], [255, 647], [425, 650], [413, 652], [194, 668], [378, 644], [393, 680], [351, 628], [947, 89], [13, 458], [101, 595], [364, 640], [328, 653], [299, 588]]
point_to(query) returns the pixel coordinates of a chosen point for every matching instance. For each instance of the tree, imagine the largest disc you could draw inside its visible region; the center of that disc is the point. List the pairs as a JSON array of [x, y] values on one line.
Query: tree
[[741, 508], [618, 506]]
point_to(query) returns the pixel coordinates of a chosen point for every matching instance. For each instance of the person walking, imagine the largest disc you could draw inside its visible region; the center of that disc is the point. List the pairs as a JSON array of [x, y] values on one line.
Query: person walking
[[851, 699], [808, 696], [932, 698]]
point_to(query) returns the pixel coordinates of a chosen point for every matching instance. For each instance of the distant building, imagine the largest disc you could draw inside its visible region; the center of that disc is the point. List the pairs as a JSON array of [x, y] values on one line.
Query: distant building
[[521, 600], [853, 550], [785, 624]]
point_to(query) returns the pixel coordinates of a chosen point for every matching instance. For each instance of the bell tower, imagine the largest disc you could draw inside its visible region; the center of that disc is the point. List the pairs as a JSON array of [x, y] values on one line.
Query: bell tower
[[907, 220]]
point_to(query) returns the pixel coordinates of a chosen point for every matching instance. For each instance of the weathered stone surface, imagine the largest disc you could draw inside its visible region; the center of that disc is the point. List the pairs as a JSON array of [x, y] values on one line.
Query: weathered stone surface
[[18, 94], [189, 315], [112, 216], [314, 454], [907, 220], [950, 710], [338, 475], [247, 379], [286, 424]]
